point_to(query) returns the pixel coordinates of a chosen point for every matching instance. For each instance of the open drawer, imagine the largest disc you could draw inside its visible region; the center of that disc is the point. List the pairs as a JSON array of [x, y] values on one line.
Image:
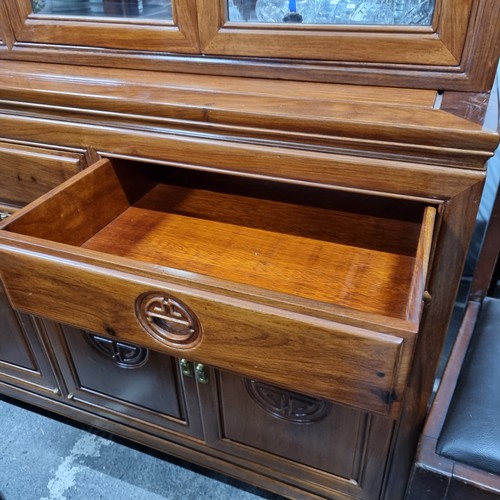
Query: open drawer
[[311, 289]]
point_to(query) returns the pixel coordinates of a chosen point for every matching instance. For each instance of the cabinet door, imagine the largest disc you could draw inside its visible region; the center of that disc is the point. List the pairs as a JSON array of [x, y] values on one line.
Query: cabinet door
[[416, 32], [153, 25], [128, 383], [314, 444], [23, 362]]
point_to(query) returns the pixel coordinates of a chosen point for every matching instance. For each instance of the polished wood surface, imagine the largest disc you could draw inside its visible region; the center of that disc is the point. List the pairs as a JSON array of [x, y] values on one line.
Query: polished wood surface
[[306, 243], [15, 348], [29, 172], [457, 221], [326, 271], [164, 36], [54, 82], [74, 214], [319, 253], [255, 340], [376, 122], [437, 45]]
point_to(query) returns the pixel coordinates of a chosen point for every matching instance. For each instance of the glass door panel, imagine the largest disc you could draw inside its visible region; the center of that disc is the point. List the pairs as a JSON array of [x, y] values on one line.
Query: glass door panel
[[144, 25], [143, 9], [350, 12], [410, 32]]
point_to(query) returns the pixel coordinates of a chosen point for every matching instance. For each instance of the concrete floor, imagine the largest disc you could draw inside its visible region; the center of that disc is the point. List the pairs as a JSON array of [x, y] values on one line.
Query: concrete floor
[[42, 458]]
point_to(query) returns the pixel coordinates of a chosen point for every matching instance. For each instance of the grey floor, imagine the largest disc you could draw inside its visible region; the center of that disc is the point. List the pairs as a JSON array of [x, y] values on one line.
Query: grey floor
[[42, 458]]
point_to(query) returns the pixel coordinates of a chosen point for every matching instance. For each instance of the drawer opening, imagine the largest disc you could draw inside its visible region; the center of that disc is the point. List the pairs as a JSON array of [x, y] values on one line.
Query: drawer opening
[[363, 252]]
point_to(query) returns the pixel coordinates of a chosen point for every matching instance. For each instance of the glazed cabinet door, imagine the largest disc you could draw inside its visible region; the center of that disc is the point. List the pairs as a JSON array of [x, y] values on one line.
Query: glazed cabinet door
[[449, 44], [339, 450], [128, 383], [23, 359], [146, 25], [430, 32]]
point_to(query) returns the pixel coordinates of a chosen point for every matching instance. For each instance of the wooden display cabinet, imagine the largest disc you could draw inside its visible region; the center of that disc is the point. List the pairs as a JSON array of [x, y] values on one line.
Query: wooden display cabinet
[[243, 239]]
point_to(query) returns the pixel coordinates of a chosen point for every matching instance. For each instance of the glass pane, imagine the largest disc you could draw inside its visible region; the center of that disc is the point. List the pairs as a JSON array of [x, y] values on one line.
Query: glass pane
[[145, 9], [381, 12]]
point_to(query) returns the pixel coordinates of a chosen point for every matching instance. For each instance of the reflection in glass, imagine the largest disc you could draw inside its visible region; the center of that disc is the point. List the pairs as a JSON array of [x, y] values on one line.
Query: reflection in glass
[[147, 9], [374, 12]]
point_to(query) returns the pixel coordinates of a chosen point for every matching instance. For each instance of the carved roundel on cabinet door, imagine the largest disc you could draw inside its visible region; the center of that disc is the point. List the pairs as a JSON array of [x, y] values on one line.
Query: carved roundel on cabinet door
[[124, 355], [287, 405], [168, 320]]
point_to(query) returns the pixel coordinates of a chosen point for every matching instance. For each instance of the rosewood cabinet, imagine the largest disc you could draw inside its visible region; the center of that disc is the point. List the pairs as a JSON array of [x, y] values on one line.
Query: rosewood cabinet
[[238, 239]]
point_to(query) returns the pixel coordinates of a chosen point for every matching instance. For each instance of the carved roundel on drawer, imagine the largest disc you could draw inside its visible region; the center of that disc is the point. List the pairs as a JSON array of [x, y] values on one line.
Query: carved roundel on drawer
[[168, 320], [124, 355], [287, 405]]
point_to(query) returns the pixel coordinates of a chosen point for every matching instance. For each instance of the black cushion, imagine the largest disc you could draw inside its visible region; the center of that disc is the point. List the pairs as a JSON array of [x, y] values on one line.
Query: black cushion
[[471, 432]]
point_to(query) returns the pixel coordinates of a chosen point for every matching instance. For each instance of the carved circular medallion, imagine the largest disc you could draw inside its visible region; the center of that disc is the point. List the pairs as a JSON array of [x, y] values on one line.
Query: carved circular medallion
[[168, 319], [124, 355], [287, 405]]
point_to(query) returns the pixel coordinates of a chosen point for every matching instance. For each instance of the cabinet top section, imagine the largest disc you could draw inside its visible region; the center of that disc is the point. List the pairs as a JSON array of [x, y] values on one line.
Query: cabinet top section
[[435, 44], [371, 122]]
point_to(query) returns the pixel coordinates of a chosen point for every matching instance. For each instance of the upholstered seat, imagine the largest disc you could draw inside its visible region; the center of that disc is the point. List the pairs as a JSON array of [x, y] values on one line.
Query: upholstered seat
[[459, 450], [471, 431]]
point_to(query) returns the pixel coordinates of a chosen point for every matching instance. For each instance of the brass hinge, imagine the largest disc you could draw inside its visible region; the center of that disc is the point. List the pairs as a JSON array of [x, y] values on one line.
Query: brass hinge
[[201, 373], [197, 371]]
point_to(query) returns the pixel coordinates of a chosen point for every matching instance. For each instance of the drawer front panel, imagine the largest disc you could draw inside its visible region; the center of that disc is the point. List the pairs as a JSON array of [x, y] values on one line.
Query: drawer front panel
[[314, 356], [27, 172]]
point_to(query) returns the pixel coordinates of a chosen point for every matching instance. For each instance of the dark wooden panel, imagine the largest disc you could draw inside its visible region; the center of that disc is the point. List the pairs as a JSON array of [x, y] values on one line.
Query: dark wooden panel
[[326, 449], [146, 379], [14, 348], [23, 358], [125, 382], [283, 423]]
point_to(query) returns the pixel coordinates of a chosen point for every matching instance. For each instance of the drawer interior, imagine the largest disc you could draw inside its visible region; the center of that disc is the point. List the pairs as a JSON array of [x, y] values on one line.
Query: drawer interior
[[363, 252]]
